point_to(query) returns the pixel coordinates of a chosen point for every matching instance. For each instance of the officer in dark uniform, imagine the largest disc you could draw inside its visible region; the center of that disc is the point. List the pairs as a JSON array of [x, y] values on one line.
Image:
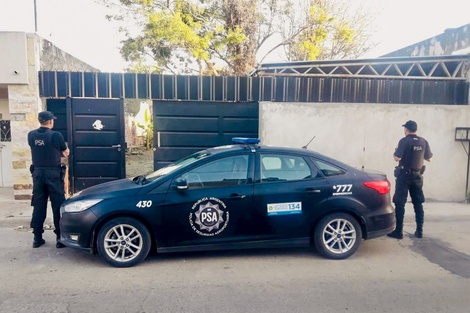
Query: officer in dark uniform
[[47, 147], [410, 155]]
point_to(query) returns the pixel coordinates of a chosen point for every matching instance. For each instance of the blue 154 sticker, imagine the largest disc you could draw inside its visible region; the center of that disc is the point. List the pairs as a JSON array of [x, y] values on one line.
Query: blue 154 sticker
[[284, 208]]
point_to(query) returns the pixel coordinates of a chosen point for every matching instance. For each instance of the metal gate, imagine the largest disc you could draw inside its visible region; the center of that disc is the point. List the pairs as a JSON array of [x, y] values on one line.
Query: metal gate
[[94, 131], [181, 128]]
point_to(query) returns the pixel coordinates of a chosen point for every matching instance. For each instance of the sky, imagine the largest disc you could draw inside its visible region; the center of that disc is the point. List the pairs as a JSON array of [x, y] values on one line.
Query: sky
[[79, 27]]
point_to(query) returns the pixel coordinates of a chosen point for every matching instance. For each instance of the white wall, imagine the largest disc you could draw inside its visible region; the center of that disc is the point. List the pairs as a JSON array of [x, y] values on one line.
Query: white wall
[[366, 135], [13, 58], [6, 172]]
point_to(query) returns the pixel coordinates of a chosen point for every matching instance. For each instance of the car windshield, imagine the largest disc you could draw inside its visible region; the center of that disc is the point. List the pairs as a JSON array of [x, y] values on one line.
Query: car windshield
[[174, 166]]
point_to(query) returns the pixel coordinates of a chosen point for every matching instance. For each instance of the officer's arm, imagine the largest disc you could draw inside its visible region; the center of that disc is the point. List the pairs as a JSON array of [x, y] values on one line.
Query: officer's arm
[[66, 152], [399, 150], [429, 160]]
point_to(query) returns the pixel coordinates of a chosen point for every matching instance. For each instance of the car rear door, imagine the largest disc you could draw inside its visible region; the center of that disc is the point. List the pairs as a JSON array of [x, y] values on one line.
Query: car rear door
[[287, 190]]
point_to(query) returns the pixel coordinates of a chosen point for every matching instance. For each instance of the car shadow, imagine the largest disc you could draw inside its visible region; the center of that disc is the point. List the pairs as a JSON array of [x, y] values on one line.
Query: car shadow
[[233, 254]]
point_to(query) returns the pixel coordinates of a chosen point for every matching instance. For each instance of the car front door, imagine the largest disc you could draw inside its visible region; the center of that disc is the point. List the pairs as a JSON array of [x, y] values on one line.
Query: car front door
[[287, 190], [214, 206]]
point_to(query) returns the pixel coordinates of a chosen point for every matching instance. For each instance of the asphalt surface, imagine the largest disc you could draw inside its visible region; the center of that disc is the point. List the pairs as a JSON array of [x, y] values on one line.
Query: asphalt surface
[[431, 274]]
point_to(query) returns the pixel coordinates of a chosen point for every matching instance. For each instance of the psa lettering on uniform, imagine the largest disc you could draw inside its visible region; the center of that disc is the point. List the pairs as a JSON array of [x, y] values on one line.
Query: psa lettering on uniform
[[38, 142]]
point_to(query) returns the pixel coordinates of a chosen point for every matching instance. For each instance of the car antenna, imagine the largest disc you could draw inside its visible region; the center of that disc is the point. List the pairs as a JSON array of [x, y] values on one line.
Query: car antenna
[[305, 147]]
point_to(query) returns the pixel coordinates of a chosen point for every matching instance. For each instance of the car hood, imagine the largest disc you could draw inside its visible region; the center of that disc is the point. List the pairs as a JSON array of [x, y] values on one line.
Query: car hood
[[122, 188]]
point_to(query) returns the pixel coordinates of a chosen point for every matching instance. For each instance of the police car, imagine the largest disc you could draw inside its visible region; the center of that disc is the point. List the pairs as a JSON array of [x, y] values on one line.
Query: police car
[[244, 195]]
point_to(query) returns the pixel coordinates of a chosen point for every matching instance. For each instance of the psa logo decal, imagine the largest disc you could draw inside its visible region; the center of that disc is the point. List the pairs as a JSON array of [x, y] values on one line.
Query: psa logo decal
[[209, 216]]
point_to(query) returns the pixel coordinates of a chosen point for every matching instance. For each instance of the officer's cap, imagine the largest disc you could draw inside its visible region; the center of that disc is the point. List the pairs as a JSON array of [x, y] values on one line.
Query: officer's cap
[[45, 116], [411, 126]]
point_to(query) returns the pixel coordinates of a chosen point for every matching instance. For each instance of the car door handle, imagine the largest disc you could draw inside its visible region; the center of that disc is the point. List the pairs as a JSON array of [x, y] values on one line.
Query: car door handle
[[311, 190], [116, 146], [236, 196]]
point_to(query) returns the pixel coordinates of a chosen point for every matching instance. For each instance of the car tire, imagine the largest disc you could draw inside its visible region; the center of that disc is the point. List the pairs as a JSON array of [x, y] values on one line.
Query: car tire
[[123, 242], [337, 236]]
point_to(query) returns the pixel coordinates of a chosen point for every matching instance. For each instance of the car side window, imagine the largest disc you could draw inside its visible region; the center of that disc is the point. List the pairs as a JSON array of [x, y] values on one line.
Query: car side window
[[278, 167], [219, 173], [328, 169]]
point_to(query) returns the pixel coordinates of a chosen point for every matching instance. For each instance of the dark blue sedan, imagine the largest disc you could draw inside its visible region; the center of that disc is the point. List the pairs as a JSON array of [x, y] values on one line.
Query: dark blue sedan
[[232, 197]]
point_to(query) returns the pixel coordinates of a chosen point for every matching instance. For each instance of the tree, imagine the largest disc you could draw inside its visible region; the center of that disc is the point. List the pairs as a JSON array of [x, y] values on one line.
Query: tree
[[224, 37], [325, 29]]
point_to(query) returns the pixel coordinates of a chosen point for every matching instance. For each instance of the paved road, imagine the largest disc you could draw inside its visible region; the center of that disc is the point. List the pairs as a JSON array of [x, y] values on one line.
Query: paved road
[[385, 275]]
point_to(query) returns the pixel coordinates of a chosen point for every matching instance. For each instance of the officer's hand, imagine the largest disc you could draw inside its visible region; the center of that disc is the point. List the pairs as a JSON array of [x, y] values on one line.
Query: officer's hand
[[66, 152]]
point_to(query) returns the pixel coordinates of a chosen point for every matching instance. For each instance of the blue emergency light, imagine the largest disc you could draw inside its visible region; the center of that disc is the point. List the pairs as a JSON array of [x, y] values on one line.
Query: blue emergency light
[[246, 141]]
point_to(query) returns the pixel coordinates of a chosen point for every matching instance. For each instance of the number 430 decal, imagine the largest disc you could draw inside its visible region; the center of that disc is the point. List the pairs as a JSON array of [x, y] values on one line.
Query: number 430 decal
[[144, 204]]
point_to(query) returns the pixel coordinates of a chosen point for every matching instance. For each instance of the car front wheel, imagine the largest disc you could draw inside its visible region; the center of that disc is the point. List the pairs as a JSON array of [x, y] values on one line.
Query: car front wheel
[[337, 236], [123, 242]]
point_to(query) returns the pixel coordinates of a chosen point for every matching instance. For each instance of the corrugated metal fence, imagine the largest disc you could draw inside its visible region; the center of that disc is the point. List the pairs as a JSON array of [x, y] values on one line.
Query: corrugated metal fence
[[437, 80]]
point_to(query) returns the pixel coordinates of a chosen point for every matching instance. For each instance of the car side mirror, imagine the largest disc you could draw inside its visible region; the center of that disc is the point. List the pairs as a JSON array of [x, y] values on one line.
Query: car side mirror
[[181, 183]]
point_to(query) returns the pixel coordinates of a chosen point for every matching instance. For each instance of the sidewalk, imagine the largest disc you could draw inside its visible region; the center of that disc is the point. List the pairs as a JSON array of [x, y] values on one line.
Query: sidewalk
[[17, 213]]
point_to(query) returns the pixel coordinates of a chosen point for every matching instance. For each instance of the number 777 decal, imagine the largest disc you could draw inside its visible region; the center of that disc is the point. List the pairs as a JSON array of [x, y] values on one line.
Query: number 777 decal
[[342, 189]]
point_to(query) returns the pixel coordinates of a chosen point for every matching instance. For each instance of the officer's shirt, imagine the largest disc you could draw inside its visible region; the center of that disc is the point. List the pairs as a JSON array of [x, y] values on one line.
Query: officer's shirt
[[46, 147], [413, 150]]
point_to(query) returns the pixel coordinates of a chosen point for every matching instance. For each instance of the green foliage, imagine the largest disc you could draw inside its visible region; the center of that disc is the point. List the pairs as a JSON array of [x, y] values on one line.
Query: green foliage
[[147, 126], [214, 37]]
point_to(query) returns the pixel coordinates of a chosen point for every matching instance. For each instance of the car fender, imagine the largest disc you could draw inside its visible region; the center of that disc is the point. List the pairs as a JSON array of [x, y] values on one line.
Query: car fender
[[132, 213], [343, 204]]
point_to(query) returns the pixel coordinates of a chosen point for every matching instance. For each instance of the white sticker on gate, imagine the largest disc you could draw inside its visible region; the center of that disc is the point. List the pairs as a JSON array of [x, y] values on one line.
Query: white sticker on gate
[[284, 208], [98, 125]]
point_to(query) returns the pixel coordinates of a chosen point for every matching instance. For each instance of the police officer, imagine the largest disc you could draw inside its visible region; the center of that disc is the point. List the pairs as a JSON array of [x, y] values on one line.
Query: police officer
[[410, 155], [47, 147]]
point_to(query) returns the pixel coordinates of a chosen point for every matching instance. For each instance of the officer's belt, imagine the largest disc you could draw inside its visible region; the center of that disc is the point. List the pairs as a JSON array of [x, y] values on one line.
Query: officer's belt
[[411, 170]]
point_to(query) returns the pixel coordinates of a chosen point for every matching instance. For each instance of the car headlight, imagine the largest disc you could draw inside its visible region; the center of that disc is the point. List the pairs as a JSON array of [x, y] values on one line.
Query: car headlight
[[81, 205]]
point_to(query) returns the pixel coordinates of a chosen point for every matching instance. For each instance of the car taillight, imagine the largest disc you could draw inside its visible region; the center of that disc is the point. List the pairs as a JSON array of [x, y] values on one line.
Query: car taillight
[[381, 186]]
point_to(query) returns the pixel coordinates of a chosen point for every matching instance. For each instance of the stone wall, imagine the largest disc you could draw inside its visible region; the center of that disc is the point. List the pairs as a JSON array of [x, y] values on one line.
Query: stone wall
[[25, 104]]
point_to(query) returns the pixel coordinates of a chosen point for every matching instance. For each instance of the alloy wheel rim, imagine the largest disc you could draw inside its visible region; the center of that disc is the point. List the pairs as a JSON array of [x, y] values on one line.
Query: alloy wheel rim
[[123, 243], [339, 236]]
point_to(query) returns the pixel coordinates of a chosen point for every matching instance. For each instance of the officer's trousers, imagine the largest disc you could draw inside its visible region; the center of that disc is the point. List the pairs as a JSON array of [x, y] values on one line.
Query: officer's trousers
[[411, 182], [47, 183]]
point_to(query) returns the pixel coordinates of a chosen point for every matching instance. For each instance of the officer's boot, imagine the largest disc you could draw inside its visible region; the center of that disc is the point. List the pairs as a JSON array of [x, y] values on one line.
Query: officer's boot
[[419, 216], [399, 215], [397, 233], [419, 231], [38, 241]]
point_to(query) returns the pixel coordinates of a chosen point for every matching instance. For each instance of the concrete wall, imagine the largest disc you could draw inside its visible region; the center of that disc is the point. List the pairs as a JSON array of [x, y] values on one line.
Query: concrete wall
[[366, 135], [13, 64], [6, 171], [52, 58], [452, 41]]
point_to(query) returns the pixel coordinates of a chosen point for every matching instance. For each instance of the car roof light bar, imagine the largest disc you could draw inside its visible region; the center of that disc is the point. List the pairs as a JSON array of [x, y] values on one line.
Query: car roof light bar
[[246, 141]]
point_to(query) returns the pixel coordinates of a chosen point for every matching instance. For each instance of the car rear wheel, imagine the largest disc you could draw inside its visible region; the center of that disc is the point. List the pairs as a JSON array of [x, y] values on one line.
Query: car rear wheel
[[337, 236], [123, 242]]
